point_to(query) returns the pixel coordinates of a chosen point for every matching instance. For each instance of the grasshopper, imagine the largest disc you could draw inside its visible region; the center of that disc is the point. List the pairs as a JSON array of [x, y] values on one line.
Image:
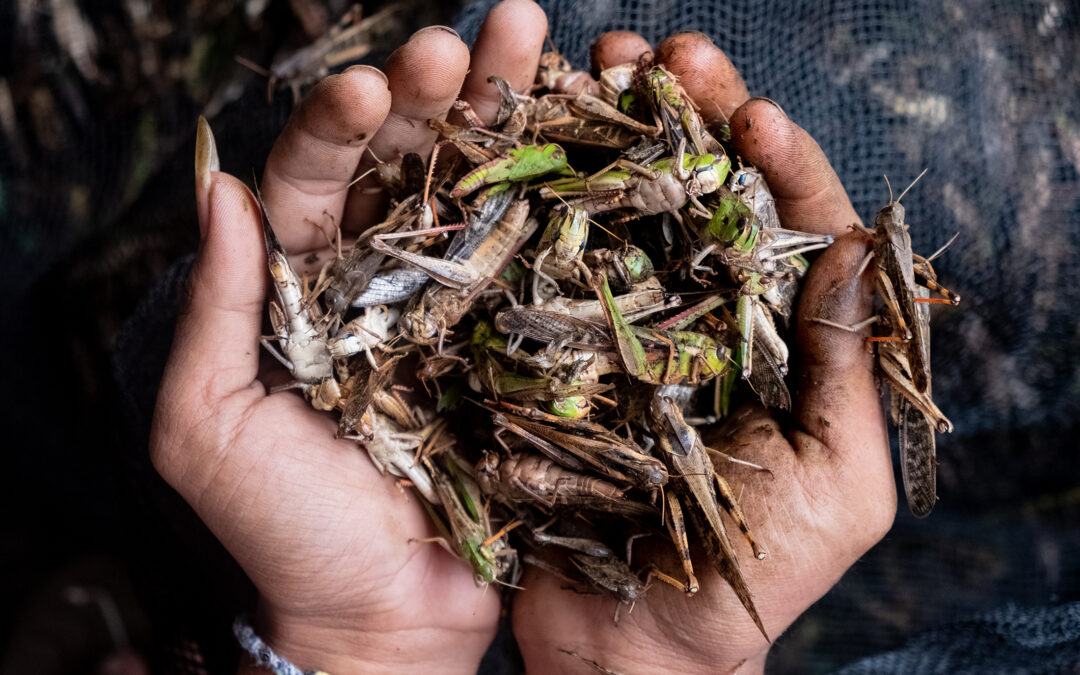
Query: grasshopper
[[678, 117], [623, 269], [488, 554], [664, 186], [464, 275], [391, 449], [300, 328], [895, 281], [563, 241], [643, 298], [686, 456], [578, 444], [588, 121], [690, 357], [520, 165], [918, 451], [368, 331], [400, 284], [535, 478], [352, 39], [904, 352]]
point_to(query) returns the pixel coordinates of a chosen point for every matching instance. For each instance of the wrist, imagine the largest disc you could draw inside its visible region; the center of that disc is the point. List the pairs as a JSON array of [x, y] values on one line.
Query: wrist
[[339, 648]]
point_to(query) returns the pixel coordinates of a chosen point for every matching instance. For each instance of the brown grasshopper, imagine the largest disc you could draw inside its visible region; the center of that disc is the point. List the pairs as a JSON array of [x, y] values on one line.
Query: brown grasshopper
[[534, 478], [904, 352], [351, 39], [698, 482], [580, 445]]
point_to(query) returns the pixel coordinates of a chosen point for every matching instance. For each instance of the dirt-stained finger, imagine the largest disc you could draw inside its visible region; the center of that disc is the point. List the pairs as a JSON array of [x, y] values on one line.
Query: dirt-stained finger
[[809, 195], [837, 400], [304, 182], [509, 45], [425, 75], [706, 73], [615, 48]]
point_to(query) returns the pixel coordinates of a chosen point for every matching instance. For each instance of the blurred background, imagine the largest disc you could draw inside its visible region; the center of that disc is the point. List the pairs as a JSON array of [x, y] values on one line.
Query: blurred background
[[103, 568]]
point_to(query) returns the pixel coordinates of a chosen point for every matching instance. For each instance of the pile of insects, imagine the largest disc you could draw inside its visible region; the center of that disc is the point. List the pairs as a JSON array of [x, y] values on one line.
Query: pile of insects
[[550, 309]]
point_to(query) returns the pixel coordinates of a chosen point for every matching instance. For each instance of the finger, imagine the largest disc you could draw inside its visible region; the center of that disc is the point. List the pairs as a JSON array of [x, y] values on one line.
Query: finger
[[216, 344], [312, 162], [809, 195], [425, 75], [706, 74], [509, 45], [615, 48], [837, 397]]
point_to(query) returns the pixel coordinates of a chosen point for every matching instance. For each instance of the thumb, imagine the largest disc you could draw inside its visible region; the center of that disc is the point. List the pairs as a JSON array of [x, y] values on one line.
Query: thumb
[[216, 345]]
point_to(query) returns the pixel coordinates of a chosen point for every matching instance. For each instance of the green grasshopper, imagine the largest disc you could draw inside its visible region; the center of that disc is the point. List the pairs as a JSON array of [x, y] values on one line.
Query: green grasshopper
[[520, 165], [623, 269], [691, 357], [466, 517], [563, 241], [664, 186], [680, 120]]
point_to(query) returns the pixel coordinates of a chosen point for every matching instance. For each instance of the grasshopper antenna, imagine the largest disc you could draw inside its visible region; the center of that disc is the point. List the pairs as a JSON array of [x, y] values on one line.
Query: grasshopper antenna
[[910, 186], [942, 249], [890, 186]]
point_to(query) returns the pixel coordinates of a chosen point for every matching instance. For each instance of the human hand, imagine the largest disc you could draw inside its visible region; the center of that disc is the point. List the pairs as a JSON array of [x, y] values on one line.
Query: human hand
[[828, 495], [324, 537]]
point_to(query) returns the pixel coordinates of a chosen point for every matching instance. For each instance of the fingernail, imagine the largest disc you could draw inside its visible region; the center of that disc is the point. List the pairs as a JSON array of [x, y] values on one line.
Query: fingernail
[[206, 161], [369, 69], [774, 104], [432, 29]]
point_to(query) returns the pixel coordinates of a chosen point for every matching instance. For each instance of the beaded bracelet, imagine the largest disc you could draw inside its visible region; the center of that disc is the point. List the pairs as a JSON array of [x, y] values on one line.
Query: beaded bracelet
[[261, 652]]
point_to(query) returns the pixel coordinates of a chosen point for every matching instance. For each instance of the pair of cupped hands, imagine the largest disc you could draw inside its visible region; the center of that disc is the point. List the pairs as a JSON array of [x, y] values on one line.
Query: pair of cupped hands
[[330, 543]]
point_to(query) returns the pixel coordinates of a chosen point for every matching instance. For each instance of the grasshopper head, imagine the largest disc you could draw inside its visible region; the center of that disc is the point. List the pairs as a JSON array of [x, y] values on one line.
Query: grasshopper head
[[709, 172], [638, 265], [482, 561], [574, 407]]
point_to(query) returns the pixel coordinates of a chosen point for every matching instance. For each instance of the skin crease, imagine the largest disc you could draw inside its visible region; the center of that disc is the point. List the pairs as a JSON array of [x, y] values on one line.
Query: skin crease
[[325, 537]]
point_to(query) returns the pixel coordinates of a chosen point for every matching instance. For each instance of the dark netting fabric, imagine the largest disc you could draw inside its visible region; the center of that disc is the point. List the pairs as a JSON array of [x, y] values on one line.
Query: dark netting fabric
[[986, 95]]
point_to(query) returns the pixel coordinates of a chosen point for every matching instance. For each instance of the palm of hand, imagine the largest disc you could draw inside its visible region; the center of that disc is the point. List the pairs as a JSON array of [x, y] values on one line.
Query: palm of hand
[[322, 533]]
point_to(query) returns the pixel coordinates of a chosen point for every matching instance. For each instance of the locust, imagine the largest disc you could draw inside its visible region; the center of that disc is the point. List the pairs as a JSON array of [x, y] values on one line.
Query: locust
[[903, 352], [464, 275], [895, 280], [352, 39], [520, 165], [587, 121], [678, 116], [664, 186], [531, 477], [300, 328], [623, 268], [918, 451], [700, 484], [561, 247], [580, 444], [393, 450], [467, 533], [368, 331]]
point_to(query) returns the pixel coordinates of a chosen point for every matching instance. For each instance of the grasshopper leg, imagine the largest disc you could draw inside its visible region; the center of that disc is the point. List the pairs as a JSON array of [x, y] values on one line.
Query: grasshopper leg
[[726, 497], [677, 527]]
